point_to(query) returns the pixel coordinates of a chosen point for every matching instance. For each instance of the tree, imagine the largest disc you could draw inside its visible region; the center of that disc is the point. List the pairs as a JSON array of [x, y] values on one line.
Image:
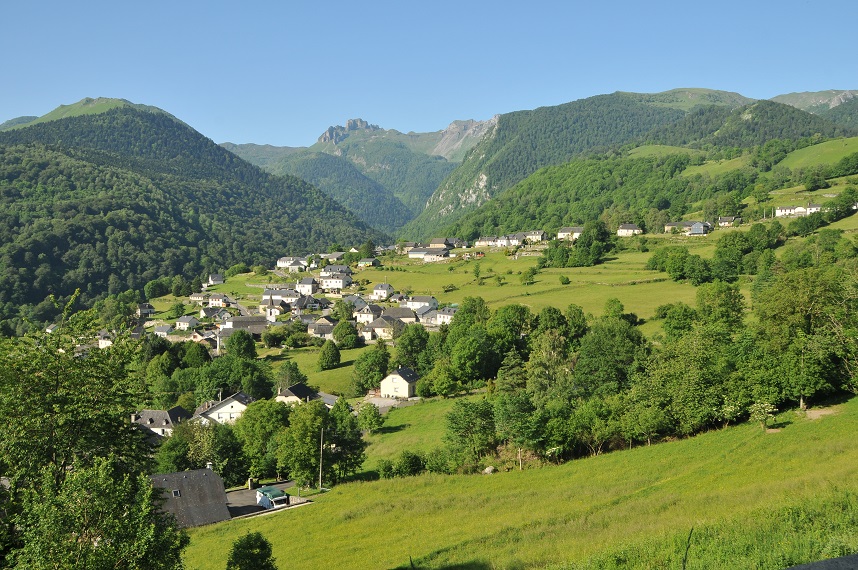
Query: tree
[[514, 415], [608, 356], [345, 335], [369, 418], [255, 429], [177, 310], [97, 517], [343, 310], [370, 368], [289, 374], [346, 440], [410, 345], [240, 344], [471, 428], [251, 552], [297, 447], [329, 356], [720, 303]]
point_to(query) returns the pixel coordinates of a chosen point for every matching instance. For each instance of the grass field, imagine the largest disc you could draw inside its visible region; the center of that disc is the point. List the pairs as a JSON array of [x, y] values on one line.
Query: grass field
[[717, 167], [634, 508], [828, 152], [661, 150]]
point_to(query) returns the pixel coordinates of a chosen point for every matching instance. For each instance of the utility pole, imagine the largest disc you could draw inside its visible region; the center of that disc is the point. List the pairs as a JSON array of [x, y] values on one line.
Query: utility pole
[[321, 447]]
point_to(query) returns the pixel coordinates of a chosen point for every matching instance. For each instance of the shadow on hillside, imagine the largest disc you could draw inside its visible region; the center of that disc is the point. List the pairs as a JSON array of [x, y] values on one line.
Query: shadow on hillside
[[472, 565], [391, 429]]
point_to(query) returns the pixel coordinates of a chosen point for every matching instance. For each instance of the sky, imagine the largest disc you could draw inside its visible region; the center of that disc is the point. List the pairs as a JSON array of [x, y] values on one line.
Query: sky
[[278, 72]]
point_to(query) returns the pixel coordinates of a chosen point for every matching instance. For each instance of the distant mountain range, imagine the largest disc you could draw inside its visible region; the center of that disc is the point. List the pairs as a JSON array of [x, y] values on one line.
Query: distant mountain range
[[105, 194]]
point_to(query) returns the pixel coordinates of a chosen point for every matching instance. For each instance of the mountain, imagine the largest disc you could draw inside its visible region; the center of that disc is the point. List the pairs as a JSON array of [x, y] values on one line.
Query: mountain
[[106, 202], [845, 114], [86, 106], [393, 169], [16, 121], [522, 142], [817, 102], [342, 181], [751, 125]]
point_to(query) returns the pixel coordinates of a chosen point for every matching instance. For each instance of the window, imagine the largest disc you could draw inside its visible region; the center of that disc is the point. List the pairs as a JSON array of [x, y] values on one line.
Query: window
[[177, 493]]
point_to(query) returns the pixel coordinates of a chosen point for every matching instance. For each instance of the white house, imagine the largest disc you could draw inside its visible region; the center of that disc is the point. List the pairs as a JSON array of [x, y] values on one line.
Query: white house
[[445, 315], [400, 383], [418, 301], [367, 314], [381, 292], [570, 233], [334, 270], [628, 230], [186, 322], [336, 282], [224, 412], [485, 241], [219, 300], [307, 286], [163, 330]]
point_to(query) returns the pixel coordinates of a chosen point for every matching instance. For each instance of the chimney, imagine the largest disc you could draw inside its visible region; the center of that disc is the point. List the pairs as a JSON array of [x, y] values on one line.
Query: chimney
[[209, 465], [135, 417]]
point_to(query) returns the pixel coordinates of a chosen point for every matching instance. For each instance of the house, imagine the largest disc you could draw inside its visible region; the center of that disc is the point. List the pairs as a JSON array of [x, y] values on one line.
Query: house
[[367, 314], [485, 241], [52, 328], [104, 338], [445, 315], [195, 497], [400, 383], [384, 327], [570, 233], [785, 211], [699, 229], [145, 310], [186, 322], [214, 313], [418, 301], [727, 221], [381, 292], [516, 239], [403, 314], [438, 255], [255, 325], [334, 270], [215, 279], [813, 208], [333, 256], [369, 262], [309, 303], [163, 330], [199, 298], [323, 328], [289, 263], [296, 394], [161, 422], [535, 236], [420, 252], [219, 300], [357, 301], [277, 295], [336, 282], [440, 243], [307, 286], [628, 230], [681, 227], [225, 411]]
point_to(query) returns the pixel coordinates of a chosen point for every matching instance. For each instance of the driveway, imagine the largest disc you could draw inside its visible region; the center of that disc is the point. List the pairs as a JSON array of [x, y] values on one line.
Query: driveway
[[243, 502]]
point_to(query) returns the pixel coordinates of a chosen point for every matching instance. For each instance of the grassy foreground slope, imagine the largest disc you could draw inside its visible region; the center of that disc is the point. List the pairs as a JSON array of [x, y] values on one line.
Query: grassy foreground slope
[[618, 507]]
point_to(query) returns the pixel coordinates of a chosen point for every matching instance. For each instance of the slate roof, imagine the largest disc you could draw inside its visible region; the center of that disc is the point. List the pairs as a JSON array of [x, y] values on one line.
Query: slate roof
[[300, 391], [407, 374], [195, 497], [399, 313], [162, 418]]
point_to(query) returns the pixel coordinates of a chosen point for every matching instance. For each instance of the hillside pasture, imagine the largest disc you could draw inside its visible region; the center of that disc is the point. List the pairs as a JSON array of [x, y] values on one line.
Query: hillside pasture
[[829, 152], [628, 506]]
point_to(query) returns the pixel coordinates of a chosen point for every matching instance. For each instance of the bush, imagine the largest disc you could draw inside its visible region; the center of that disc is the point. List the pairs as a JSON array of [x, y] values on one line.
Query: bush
[[564, 280]]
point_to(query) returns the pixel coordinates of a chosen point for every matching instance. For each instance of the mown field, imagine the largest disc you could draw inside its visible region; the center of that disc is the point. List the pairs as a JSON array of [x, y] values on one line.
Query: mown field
[[828, 152], [754, 500]]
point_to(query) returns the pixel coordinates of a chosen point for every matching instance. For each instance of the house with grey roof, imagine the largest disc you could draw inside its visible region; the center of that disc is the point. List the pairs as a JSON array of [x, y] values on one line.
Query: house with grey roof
[[384, 327], [307, 286], [225, 411], [161, 422], [403, 314], [195, 497], [186, 322], [401, 384], [628, 230], [381, 292]]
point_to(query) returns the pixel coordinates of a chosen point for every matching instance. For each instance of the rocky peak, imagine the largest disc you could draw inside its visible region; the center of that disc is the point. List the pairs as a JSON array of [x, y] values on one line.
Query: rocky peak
[[339, 133]]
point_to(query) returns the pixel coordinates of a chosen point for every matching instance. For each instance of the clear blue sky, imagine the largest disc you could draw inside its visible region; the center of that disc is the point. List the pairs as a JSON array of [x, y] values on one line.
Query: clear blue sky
[[281, 72]]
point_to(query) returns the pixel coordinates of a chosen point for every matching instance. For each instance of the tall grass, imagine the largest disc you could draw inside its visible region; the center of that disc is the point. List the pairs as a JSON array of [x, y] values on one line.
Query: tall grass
[[638, 504]]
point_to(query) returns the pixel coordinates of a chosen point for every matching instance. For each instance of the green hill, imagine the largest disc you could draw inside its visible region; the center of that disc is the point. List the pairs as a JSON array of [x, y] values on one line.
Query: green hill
[[829, 152], [342, 181], [525, 141], [125, 196], [87, 106], [845, 114], [16, 121], [263, 155], [753, 499]]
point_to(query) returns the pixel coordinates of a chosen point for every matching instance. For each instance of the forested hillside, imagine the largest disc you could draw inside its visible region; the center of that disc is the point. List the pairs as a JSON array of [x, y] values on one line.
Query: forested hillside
[[342, 181], [525, 141], [845, 114], [107, 202]]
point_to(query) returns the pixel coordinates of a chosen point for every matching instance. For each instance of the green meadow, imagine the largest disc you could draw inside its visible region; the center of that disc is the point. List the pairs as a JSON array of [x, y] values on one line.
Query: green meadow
[[751, 498], [829, 152]]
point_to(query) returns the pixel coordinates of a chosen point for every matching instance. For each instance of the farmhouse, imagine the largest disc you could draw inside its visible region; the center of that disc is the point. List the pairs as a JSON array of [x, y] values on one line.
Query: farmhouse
[[381, 292], [400, 383], [225, 411], [161, 422], [628, 230], [307, 286], [570, 233], [186, 322]]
